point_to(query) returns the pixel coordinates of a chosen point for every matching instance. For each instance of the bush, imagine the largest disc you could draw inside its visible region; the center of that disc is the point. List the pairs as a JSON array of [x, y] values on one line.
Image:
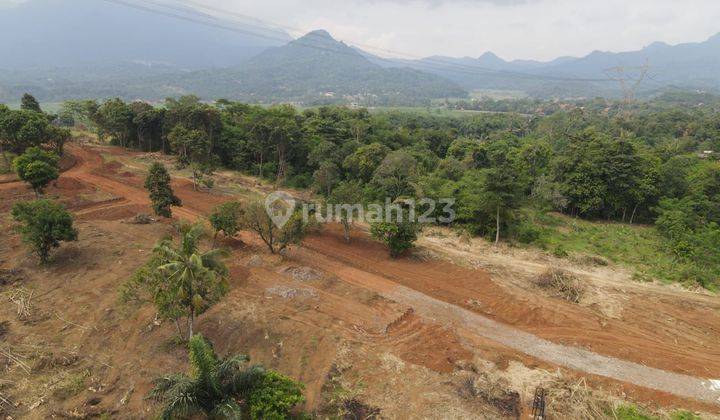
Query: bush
[[274, 397], [560, 251], [44, 224], [526, 232]]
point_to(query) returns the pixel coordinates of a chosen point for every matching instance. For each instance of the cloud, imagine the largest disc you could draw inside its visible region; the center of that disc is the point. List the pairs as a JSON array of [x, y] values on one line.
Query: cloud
[[526, 29]]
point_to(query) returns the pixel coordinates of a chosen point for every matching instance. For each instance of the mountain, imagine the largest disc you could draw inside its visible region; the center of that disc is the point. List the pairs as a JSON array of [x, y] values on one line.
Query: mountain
[[60, 34], [314, 69], [687, 66], [317, 69]]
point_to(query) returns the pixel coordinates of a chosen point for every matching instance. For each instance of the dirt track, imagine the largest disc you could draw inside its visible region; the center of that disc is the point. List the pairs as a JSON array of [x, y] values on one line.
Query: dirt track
[[472, 303]]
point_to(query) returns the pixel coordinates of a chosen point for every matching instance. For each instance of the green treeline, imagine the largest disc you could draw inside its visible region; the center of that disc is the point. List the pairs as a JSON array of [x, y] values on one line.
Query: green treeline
[[642, 165]]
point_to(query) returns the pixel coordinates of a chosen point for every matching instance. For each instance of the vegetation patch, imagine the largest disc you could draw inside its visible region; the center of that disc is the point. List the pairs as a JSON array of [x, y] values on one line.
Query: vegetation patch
[[561, 284]]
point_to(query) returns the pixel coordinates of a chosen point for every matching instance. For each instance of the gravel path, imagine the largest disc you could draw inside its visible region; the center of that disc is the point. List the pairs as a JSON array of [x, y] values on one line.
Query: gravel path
[[571, 357], [444, 313]]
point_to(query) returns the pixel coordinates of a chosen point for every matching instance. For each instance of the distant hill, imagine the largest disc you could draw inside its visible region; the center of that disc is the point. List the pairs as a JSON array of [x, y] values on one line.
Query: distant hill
[[317, 69], [69, 49], [314, 69], [688, 66], [59, 34]]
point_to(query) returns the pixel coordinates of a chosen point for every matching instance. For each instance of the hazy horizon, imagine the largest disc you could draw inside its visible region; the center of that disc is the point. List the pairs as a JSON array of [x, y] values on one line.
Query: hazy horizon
[[512, 29]]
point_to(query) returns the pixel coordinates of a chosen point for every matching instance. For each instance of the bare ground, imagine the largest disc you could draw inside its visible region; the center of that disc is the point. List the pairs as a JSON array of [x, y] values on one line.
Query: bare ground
[[359, 324]]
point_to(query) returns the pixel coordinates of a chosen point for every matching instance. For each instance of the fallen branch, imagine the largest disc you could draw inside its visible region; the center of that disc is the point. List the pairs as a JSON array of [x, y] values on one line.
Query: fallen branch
[[15, 359], [84, 328]]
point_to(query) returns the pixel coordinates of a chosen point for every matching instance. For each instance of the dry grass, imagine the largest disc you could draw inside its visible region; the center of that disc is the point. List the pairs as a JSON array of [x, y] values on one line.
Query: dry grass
[[22, 299], [492, 390], [561, 284], [576, 400]]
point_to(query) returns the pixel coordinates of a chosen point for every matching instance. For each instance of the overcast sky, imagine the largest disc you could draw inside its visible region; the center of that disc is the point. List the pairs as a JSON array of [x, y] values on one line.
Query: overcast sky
[[536, 29]]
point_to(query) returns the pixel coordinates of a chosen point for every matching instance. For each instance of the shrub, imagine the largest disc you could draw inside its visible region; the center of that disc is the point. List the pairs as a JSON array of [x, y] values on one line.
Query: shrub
[[43, 225], [274, 397], [526, 232], [225, 388], [560, 251]]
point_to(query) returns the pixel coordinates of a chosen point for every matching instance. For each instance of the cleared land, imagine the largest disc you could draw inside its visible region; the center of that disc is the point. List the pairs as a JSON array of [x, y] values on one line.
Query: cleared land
[[344, 319]]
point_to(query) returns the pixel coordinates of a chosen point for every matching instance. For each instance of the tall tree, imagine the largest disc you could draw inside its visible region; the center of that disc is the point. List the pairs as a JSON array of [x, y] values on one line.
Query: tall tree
[[161, 194], [29, 103], [345, 199], [396, 176]]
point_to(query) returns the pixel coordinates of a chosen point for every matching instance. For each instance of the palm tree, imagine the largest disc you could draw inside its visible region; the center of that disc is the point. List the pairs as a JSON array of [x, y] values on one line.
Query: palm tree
[[192, 281], [217, 388]]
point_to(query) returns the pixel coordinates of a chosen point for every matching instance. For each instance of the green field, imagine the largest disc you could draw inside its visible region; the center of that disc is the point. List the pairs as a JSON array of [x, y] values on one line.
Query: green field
[[639, 248]]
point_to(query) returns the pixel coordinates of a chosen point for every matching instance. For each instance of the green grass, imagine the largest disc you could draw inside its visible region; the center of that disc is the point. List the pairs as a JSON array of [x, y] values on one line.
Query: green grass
[[633, 412], [639, 248]]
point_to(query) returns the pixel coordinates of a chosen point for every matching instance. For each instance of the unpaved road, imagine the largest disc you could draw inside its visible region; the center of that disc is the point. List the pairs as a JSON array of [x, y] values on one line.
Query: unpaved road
[[430, 303], [575, 358]]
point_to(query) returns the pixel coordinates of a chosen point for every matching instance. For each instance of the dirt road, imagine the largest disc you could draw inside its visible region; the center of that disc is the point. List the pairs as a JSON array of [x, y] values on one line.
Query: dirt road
[[441, 293]]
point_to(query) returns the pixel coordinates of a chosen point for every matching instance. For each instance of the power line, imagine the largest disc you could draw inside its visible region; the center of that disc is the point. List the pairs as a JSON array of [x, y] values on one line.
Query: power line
[[227, 24]]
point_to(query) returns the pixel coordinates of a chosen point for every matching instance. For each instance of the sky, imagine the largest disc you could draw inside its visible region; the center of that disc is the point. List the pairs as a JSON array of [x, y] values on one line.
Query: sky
[[513, 29]]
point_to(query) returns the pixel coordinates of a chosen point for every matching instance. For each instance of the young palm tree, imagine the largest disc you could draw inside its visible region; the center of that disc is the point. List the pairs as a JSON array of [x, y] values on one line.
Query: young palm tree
[[191, 280], [216, 388]]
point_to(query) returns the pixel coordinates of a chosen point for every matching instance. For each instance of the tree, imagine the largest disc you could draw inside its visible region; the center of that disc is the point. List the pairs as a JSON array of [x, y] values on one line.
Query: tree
[[325, 177], [365, 160], [227, 388], [398, 236], [37, 167], [43, 225], [193, 149], [161, 194], [190, 281], [29, 103], [396, 176], [57, 137], [20, 129], [189, 145], [503, 183], [4, 136], [226, 218], [345, 198], [277, 238], [115, 117]]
